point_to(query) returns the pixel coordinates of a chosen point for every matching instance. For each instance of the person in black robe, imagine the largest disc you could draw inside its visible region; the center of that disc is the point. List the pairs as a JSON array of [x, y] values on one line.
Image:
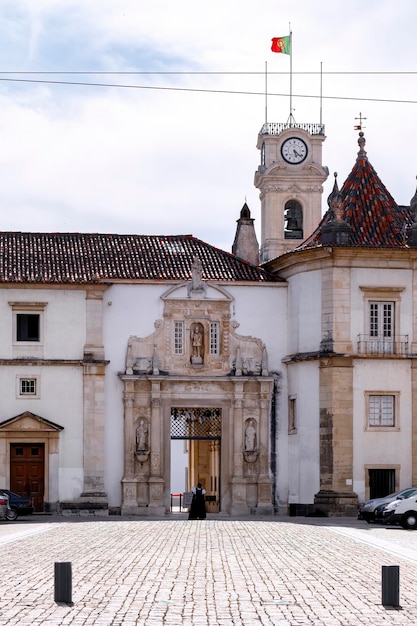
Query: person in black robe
[[198, 503]]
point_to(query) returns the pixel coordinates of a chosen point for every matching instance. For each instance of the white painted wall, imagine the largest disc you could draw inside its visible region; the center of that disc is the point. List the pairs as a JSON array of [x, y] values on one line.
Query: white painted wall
[[63, 321], [390, 447], [304, 444], [304, 312]]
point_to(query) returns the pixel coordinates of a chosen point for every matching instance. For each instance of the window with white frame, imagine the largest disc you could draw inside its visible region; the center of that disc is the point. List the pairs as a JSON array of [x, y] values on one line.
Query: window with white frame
[[28, 322], [27, 386], [178, 337], [381, 410], [214, 338], [381, 320]]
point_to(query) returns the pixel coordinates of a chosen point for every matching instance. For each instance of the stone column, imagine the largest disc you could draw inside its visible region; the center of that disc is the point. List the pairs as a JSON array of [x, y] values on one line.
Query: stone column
[[94, 397], [239, 504], [336, 495], [156, 481], [93, 490], [264, 484], [129, 482]]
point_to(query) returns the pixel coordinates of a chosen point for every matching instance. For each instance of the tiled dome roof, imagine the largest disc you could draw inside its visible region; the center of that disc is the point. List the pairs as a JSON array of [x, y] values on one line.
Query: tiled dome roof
[[367, 207]]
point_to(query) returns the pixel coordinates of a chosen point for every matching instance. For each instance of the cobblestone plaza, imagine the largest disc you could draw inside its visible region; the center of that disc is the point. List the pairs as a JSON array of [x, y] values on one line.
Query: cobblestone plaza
[[271, 571]]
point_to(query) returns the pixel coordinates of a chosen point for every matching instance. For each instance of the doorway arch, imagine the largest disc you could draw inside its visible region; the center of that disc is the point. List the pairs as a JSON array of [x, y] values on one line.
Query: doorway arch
[[201, 427]]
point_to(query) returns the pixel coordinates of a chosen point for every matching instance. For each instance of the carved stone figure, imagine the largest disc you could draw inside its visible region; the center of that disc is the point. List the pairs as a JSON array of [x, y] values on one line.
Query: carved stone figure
[[250, 436], [197, 343], [142, 435], [196, 274]]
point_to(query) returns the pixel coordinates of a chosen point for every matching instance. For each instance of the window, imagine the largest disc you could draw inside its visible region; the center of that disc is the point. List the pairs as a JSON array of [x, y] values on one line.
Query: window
[[381, 410], [27, 327], [381, 326], [178, 337], [28, 386], [292, 414], [214, 338]]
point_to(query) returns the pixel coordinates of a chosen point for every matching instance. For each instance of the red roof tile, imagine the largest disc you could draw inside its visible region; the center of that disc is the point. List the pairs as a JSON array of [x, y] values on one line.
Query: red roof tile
[[374, 218], [85, 258]]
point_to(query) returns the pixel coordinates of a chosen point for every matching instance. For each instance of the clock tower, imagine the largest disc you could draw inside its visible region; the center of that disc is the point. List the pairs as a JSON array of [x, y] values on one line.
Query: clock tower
[[290, 180]]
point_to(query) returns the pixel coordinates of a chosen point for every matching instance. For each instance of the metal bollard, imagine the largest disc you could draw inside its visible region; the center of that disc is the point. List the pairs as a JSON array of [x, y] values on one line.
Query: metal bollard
[[391, 585], [63, 582]]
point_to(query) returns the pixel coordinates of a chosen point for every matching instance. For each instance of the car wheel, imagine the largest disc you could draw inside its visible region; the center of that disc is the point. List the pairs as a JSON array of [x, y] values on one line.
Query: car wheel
[[409, 520], [11, 515]]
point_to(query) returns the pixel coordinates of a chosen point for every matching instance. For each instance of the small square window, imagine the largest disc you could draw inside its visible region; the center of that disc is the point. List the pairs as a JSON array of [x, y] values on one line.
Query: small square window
[[28, 386], [27, 327], [381, 410]]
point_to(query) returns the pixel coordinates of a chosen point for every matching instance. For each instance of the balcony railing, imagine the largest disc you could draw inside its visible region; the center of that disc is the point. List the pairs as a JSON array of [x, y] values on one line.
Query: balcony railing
[[275, 128], [383, 345]]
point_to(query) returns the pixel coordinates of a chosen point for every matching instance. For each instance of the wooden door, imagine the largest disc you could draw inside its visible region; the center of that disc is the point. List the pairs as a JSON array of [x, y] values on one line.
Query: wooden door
[[27, 471]]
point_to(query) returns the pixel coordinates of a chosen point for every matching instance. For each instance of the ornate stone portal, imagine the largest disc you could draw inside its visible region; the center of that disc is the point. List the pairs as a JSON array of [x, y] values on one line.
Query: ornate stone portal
[[196, 359]]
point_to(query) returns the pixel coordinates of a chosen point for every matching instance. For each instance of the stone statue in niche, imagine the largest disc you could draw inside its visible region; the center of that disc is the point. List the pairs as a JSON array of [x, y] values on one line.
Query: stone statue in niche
[[142, 433], [250, 436], [197, 343]]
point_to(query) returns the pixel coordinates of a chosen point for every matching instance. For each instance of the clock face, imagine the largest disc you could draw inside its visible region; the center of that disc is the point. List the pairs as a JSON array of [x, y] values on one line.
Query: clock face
[[294, 150]]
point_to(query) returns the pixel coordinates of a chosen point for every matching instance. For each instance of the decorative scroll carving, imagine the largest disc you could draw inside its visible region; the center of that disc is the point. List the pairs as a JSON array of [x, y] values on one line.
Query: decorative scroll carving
[[142, 356], [248, 354]]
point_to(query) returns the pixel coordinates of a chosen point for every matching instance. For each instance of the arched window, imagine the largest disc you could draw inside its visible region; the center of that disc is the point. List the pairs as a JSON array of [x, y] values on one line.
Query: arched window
[[293, 217]]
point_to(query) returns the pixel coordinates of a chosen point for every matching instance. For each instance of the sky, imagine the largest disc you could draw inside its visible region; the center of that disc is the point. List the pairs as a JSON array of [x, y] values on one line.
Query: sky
[[142, 117]]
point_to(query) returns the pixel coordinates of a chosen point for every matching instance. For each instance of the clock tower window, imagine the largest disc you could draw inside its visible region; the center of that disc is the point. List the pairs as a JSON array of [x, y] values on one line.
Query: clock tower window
[[294, 220]]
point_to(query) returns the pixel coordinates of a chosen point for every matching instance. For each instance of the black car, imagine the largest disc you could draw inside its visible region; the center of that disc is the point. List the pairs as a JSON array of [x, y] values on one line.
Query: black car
[[22, 506]]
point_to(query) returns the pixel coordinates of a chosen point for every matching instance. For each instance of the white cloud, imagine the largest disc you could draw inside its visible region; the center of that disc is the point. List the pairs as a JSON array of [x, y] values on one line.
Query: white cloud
[[163, 161]]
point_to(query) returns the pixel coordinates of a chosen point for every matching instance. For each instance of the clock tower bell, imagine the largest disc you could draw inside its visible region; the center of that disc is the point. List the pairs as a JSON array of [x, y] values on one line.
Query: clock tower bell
[[290, 180]]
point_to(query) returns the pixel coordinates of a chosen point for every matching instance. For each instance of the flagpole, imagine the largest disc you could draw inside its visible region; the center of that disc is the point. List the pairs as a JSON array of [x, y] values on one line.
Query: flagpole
[[321, 92], [266, 92], [290, 75]]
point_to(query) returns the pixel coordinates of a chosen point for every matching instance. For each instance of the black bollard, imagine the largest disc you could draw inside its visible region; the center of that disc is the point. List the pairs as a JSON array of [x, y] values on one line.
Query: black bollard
[[63, 582], [391, 585]]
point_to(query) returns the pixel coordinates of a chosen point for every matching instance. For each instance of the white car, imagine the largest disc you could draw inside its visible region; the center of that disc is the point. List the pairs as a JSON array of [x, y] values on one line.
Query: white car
[[402, 512]]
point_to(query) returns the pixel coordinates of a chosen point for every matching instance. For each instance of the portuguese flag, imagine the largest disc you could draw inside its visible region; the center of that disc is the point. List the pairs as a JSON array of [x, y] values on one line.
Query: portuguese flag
[[281, 44]]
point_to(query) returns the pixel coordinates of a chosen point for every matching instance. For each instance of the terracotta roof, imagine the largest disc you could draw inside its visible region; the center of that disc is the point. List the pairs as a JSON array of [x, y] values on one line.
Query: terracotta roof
[[367, 207], [80, 258]]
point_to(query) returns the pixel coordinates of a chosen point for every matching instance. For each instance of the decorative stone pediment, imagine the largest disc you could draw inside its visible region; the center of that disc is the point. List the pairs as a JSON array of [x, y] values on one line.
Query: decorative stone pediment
[[184, 292], [28, 421]]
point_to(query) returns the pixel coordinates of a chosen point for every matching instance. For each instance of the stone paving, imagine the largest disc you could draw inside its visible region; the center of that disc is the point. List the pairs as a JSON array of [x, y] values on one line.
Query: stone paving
[[271, 571]]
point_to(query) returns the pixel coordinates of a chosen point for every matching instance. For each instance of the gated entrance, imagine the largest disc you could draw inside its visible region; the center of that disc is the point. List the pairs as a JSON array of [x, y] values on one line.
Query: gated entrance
[[201, 427]]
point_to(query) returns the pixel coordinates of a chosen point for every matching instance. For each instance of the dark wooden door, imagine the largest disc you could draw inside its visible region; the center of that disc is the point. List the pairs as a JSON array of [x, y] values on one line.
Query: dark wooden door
[[27, 471]]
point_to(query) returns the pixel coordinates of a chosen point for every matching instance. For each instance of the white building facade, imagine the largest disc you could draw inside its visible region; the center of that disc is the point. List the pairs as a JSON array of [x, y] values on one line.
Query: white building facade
[[289, 386]]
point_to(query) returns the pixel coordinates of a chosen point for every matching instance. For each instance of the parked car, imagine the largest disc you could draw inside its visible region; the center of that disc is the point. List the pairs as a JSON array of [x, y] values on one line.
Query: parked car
[[6, 512], [22, 506], [402, 512], [372, 510]]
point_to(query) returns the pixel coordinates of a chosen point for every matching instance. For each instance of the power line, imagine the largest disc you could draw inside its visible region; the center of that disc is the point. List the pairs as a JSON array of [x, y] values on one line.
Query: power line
[[212, 73], [194, 90]]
